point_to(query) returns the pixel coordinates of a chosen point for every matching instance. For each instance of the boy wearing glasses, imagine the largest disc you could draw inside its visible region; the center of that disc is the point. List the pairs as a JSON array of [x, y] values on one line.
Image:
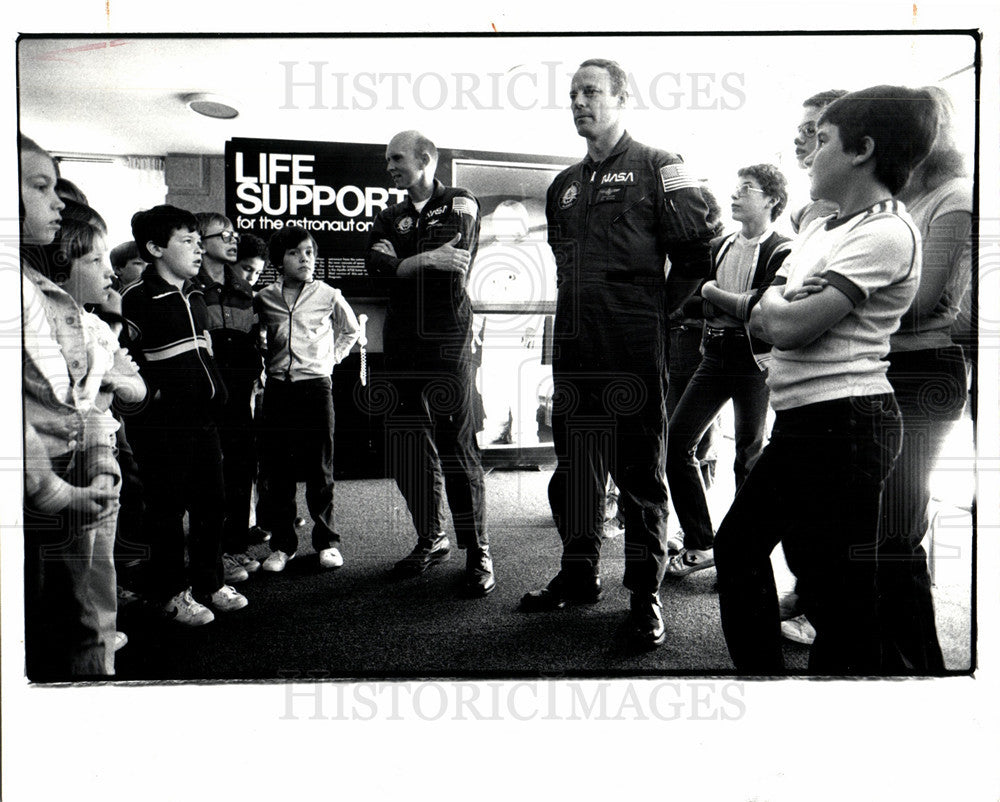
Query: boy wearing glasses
[[232, 324], [732, 365]]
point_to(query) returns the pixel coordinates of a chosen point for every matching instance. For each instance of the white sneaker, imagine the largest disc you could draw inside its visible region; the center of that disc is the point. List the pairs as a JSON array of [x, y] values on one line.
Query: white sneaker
[[798, 630], [331, 558], [226, 599], [675, 542], [120, 640], [277, 561], [185, 610], [232, 571]]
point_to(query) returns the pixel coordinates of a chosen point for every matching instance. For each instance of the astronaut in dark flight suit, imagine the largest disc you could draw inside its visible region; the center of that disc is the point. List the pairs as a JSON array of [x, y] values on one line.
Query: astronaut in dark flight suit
[[426, 246], [614, 219]]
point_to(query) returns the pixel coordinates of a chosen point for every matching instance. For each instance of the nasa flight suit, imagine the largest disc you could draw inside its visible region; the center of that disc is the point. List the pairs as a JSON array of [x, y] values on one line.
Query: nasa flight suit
[[611, 227], [431, 428]]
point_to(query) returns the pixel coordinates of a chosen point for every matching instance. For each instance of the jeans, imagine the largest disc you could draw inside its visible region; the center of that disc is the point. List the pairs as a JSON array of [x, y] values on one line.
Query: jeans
[[816, 489], [297, 444], [727, 371], [930, 388], [685, 357], [70, 599], [239, 466]]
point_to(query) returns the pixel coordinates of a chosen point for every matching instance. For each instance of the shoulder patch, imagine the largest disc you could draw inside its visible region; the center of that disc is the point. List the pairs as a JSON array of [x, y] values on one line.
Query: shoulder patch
[[570, 195], [463, 205], [676, 176], [404, 224]]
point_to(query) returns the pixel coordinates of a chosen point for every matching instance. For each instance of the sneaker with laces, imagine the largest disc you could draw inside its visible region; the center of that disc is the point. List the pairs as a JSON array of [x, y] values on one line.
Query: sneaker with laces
[[687, 561], [331, 557], [185, 610], [232, 571], [798, 630], [226, 599], [249, 564], [276, 561]]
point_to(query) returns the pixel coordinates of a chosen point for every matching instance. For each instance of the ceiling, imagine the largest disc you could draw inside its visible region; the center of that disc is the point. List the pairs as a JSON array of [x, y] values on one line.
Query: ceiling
[[737, 95]]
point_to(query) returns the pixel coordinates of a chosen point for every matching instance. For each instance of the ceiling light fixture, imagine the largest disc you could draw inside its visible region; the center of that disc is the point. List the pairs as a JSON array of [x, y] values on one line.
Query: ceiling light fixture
[[211, 105]]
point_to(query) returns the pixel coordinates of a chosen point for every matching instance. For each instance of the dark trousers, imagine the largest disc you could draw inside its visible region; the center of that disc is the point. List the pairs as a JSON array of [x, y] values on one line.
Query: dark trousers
[[297, 445], [930, 388], [433, 453], [180, 462], [685, 357], [610, 424], [239, 466], [816, 489], [130, 543], [727, 371]]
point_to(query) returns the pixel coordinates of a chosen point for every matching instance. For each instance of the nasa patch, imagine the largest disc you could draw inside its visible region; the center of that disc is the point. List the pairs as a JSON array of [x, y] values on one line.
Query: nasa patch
[[404, 225], [570, 195]]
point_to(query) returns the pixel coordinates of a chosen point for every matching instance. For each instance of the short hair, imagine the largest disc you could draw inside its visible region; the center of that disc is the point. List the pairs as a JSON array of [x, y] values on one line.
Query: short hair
[[122, 254], [619, 79], [68, 191], [206, 219], [251, 247], [772, 181], [157, 225], [902, 122], [78, 230], [26, 143], [823, 99], [286, 239]]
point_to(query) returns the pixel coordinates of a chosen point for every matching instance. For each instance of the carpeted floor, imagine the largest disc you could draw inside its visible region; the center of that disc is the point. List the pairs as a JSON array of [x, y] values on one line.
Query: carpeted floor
[[357, 622]]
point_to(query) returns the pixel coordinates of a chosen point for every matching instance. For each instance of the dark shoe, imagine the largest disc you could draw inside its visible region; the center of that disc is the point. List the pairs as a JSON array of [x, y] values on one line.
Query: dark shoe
[[479, 577], [560, 592], [426, 553], [257, 535], [645, 620]]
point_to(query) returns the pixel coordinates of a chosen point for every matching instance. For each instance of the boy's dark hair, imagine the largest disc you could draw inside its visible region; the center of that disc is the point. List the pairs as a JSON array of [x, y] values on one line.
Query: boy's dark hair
[[157, 225], [288, 238], [68, 191], [251, 247], [772, 181], [902, 123], [78, 230], [122, 254], [206, 219], [823, 99], [619, 80]]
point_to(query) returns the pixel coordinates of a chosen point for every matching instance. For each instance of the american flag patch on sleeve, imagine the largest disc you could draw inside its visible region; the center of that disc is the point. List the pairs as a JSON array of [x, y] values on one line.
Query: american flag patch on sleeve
[[462, 205], [676, 176]]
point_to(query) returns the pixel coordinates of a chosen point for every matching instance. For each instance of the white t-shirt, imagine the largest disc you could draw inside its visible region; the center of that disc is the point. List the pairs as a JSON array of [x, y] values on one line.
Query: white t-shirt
[[872, 257]]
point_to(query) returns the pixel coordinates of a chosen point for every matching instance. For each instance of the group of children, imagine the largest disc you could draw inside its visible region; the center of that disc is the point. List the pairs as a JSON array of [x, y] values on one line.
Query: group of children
[[179, 353]]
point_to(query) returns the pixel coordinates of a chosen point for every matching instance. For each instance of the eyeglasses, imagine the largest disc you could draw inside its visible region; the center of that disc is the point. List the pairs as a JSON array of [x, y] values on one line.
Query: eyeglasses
[[807, 130], [745, 189], [228, 237]]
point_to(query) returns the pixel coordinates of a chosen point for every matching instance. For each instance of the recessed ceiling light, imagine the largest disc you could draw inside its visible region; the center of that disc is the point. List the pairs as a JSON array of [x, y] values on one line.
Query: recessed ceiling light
[[211, 105]]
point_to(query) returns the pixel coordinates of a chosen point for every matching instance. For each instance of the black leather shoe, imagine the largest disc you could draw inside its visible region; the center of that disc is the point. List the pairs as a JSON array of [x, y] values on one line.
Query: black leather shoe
[[479, 577], [646, 625], [426, 553], [560, 592]]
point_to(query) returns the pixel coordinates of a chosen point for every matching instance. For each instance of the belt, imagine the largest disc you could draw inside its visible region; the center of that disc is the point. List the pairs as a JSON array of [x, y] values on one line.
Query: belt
[[733, 332]]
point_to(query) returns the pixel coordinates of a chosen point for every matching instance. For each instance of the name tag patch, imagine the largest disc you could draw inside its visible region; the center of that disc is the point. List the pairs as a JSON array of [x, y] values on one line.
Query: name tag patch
[[609, 194], [404, 225]]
